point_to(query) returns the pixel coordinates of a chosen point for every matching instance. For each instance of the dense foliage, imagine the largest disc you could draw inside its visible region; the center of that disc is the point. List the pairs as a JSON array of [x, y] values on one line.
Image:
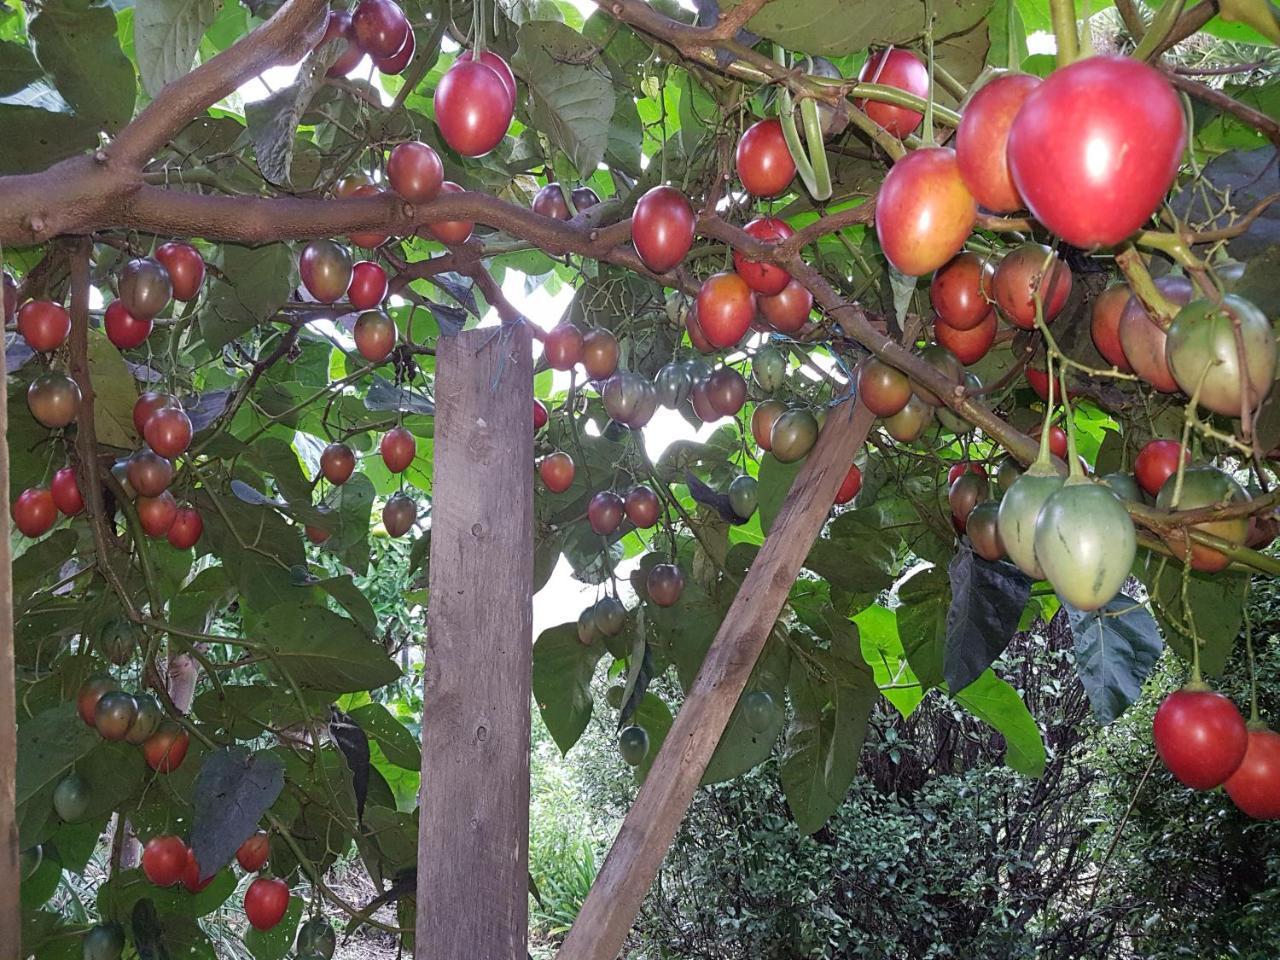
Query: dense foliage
[[221, 412]]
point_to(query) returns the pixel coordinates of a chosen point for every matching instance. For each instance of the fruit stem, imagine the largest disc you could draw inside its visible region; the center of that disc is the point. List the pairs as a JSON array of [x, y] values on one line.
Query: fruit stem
[[1073, 459], [786, 114], [1063, 15], [1166, 16], [817, 149], [1254, 716], [926, 131], [1161, 309]]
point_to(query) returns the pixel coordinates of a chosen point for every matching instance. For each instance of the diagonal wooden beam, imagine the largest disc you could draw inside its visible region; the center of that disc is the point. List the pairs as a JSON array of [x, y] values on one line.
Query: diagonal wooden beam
[[650, 826]]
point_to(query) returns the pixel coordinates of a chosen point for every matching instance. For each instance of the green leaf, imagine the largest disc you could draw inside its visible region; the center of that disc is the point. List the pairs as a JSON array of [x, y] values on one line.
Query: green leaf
[[741, 747], [775, 479], [922, 623], [653, 714], [996, 703], [348, 596], [882, 651], [273, 121], [252, 284], [39, 137], [114, 393], [573, 99], [49, 745], [75, 41], [1216, 607], [562, 671], [397, 743], [18, 67], [166, 36], [987, 603], [351, 508], [825, 738], [834, 28], [1116, 648], [319, 649], [38, 564]]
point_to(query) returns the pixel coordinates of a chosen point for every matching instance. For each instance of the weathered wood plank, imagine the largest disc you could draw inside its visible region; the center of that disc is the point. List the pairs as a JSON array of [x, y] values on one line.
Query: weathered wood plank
[[651, 824], [10, 916], [473, 855]]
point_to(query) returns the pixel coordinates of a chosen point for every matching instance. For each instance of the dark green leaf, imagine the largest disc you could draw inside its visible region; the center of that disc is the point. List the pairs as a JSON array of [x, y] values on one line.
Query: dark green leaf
[[231, 793], [987, 600], [398, 744], [562, 671], [75, 41], [166, 36], [319, 649], [253, 283], [1115, 649], [994, 702], [1216, 608]]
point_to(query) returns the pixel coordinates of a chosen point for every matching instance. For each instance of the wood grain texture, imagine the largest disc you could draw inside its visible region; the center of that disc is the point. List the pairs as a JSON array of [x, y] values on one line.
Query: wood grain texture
[[10, 917], [473, 900], [651, 824]]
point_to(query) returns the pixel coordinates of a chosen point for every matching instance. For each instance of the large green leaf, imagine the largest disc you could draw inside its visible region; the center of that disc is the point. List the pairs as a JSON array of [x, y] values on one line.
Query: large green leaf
[[994, 702], [775, 479], [741, 746], [18, 67], [882, 651], [653, 714], [562, 670], [114, 393], [166, 36], [825, 738], [835, 28], [319, 649], [49, 744], [1216, 607], [252, 284], [573, 99], [75, 41], [922, 623], [397, 743], [1115, 649]]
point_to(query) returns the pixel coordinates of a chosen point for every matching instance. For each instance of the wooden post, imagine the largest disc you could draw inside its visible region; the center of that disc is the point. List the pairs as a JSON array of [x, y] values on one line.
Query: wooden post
[[10, 875], [473, 846], [651, 824]]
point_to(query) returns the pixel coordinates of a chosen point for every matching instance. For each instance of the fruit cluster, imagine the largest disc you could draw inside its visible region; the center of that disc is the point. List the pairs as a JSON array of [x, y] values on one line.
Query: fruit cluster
[[133, 718]]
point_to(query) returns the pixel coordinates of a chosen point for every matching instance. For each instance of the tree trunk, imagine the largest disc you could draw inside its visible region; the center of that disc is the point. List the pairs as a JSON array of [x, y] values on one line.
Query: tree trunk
[[10, 918], [473, 856]]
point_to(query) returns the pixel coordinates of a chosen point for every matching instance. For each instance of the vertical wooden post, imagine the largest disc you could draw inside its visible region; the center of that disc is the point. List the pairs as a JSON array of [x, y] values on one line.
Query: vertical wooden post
[[651, 823], [10, 876], [473, 846]]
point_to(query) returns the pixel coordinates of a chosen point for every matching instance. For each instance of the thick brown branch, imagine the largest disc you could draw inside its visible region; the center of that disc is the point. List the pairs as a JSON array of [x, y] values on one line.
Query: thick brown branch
[[1269, 127]]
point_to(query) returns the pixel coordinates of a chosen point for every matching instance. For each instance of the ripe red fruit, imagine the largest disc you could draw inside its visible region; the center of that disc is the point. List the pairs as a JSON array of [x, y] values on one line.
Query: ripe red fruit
[[1200, 736], [642, 507], [368, 285], [316, 535], [380, 27], [763, 278], [726, 306], [1144, 341], [895, 68], [325, 269], [452, 232], [186, 529], [43, 324], [145, 287], [599, 353], [960, 289], [539, 415], [1255, 786], [662, 228], [884, 389], [337, 463], [556, 471], [1157, 461], [1096, 147], [924, 211], [267, 898], [473, 108], [1104, 325], [149, 473], [147, 404], [499, 66], [338, 25], [191, 875], [164, 859], [253, 852], [563, 346], [1031, 269], [156, 514], [604, 512], [789, 310], [765, 166], [415, 172], [185, 266], [549, 202], [54, 399], [850, 486], [123, 329], [1057, 440], [968, 346], [726, 391], [66, 492], [168, 432], [34, 512], [368, 240], [696, 336], [398, 448], [90, 693], [375, 335], [165, 749], [959, 469], [395, 64], [399, 514], [982, 138]]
